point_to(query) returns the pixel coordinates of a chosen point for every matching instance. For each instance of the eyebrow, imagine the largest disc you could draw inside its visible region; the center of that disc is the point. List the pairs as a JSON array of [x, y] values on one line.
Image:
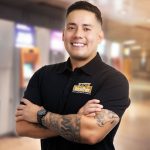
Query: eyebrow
[[85, 25]]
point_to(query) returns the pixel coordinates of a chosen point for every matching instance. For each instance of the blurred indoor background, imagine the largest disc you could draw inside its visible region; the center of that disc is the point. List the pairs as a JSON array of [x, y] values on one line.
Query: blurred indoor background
[[30, 37]]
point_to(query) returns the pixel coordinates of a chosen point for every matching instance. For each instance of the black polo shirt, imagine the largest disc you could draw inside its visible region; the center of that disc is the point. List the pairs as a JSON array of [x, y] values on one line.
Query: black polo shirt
[[63, 91]]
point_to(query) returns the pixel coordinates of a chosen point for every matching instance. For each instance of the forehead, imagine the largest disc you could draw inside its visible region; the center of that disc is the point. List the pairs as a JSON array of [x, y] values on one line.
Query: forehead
[[81, 17]]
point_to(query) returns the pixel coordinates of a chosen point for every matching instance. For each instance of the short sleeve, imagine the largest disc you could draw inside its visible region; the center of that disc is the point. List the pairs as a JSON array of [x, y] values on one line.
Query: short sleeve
[[114, 94], [32, 91]]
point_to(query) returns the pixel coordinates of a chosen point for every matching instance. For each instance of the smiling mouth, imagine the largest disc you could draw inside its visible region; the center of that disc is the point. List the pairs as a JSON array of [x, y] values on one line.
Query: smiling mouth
[[76, 44]]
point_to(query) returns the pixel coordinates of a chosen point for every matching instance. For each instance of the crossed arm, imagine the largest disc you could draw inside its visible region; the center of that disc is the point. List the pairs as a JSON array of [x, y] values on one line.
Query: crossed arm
[[26, 127], [89, 126]]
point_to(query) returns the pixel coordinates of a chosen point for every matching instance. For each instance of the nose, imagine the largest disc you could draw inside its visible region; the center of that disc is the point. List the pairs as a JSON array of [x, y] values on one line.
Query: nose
[[79, 33]]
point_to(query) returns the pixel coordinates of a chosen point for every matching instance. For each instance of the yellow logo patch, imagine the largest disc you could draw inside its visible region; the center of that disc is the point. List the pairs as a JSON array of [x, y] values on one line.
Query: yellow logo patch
[[85, 88]]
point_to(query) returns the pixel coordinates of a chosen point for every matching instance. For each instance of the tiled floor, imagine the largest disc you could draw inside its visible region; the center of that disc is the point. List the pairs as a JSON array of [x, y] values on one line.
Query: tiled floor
[[133, 134], [134, 131], [19, 144]]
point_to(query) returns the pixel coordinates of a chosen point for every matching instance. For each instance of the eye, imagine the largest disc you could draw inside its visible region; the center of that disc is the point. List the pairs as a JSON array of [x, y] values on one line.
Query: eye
[[87, 29], [70, 28]]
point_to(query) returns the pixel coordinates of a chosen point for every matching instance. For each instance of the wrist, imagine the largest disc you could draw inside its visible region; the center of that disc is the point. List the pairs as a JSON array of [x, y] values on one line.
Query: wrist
[[40, 115]]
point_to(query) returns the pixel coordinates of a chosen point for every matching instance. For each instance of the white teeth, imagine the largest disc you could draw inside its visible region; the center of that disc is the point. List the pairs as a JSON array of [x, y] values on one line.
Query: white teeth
[[78, 44]]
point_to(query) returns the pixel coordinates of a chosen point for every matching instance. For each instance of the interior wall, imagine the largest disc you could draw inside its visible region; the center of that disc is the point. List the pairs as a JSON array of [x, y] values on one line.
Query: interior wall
[[6, 58]]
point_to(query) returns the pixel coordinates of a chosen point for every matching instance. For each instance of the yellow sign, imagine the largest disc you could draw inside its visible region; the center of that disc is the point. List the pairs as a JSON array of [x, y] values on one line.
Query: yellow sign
[[85, 88]]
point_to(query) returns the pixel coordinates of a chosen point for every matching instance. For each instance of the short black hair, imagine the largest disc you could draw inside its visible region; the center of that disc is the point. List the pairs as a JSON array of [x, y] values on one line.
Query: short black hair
[[84, 5]]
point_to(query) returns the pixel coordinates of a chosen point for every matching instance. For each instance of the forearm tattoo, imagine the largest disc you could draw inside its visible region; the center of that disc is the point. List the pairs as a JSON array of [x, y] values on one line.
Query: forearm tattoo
[[106, 116], [68, 126]]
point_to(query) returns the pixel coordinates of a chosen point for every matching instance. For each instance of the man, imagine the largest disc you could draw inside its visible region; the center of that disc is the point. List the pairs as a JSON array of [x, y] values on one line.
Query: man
[[78, 103]]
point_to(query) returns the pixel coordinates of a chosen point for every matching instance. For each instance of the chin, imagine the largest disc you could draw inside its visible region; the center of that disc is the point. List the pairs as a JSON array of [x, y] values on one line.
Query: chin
[[78, 57]]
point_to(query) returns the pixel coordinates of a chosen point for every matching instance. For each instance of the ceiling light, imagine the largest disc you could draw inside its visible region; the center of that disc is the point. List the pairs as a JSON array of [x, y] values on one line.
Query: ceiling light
[[127, 51], [129, 42], [136, 47]]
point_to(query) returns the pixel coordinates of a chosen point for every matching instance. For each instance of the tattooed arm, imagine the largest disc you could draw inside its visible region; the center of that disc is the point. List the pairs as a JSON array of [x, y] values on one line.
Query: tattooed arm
[[25, 114], [82, 129], [74, 127]]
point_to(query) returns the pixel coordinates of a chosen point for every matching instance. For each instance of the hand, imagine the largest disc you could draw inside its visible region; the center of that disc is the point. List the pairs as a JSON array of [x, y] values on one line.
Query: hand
[[27, 111], [90, 108]]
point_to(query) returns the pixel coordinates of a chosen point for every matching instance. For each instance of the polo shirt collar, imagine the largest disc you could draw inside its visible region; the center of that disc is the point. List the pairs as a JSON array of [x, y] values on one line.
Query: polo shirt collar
[[90, 68], [65, 67]]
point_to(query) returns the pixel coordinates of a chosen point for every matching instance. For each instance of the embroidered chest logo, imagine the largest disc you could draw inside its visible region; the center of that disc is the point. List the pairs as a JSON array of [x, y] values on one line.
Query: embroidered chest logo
[[85, 88]]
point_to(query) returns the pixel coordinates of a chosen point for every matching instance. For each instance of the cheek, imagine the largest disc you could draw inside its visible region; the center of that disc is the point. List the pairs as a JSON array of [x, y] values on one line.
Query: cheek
[[67, 36], [91, 39], [95, 38], [91, 36]]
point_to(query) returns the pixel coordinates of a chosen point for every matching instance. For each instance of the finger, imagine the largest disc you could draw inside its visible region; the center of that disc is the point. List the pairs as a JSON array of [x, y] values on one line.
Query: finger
[[93, 101], [25, 101], [91, 115], [18, 113], [20, 107], [19, 118], [41, 107], [94, 106], [91, 110]]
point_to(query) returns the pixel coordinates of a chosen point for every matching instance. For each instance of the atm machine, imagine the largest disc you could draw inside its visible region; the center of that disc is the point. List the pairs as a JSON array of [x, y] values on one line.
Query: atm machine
[[28, 54], [23, 59], [29, 63]]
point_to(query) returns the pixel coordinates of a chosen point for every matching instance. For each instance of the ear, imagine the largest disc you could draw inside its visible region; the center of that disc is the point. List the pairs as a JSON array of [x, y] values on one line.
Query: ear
[[63, 35], [101, 36]]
